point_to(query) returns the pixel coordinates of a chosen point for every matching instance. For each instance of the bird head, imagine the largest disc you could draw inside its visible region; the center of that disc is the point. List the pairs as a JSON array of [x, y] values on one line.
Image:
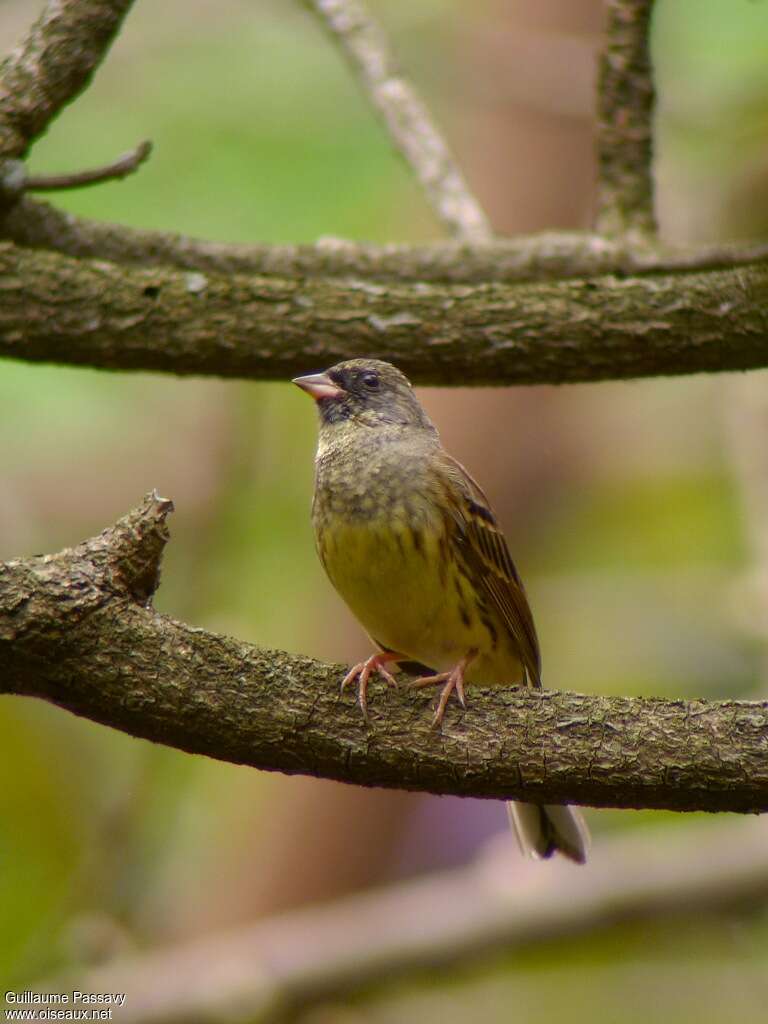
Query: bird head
[[368, 392]]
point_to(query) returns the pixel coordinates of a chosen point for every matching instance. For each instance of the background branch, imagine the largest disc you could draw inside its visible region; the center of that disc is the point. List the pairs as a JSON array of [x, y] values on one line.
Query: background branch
[[76, 630], [294, 959], [563, 330], [52, 65], [547, 255], [408, 122], [625, 102], [57, 309]]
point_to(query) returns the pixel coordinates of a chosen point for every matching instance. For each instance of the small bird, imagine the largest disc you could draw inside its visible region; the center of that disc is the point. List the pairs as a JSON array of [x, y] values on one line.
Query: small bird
[[410, 542]]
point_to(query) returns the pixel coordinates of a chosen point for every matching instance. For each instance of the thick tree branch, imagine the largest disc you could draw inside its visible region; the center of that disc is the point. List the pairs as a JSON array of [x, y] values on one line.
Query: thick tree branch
[[75, 629], [52, 66], [625, 100], [57, 309], [545, 256], [270, 967], [407, 119]]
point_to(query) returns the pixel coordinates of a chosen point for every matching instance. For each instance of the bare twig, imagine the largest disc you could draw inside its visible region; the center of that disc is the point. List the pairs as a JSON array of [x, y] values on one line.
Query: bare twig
[[52, 66], [408, 122], [120, 168], [76, 629], [625, 130], [285, 962], [57, 309]]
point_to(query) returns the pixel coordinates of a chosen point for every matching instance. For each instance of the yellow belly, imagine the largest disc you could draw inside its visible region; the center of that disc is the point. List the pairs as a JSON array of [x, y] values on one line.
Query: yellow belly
[[411, 599]]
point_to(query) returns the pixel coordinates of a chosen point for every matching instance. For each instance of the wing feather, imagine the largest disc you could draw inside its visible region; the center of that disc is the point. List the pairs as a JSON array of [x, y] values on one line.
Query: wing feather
[[478, 535]]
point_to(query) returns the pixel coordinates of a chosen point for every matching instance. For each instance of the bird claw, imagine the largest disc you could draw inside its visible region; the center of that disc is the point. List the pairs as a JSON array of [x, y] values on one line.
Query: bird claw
[[452, 680], [460, 692], [451, 683], [363, 672]]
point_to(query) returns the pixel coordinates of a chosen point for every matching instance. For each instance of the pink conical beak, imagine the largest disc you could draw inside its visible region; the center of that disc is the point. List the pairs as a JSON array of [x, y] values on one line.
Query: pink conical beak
[[318, 385]]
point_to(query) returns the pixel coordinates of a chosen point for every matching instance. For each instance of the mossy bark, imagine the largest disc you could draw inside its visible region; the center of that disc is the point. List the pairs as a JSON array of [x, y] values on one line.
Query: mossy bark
[[77, 629], [57, 309]]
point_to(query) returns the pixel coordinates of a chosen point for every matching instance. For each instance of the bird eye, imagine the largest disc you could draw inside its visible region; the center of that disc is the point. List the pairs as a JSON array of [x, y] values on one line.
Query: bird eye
[[371, 380]]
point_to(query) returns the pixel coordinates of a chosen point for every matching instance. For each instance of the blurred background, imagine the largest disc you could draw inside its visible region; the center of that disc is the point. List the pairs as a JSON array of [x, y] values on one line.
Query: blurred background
[[636, 512]]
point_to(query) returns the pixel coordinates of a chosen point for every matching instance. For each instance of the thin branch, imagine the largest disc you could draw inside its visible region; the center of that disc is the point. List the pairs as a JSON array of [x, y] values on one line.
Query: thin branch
[[38, 225], [625, 129], [77, 629], [52, 65], [291, 960], [407, 119], [126, 164], [544, 256], [56, 309]]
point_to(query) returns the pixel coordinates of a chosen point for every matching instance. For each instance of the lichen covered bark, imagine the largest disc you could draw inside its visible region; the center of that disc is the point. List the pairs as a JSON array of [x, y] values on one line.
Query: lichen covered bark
[[58, 309], [52, 65], [77, 629]]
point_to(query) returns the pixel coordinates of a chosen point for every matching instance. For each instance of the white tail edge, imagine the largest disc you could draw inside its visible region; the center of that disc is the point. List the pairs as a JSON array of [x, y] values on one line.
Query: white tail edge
[[545, 829]]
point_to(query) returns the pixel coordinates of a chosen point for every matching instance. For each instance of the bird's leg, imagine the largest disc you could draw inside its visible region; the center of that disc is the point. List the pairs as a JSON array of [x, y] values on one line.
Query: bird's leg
[[363, 672], [452, 680]]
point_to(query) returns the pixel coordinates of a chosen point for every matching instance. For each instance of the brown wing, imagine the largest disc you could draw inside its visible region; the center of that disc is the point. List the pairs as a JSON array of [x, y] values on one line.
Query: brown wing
[[478, 535]]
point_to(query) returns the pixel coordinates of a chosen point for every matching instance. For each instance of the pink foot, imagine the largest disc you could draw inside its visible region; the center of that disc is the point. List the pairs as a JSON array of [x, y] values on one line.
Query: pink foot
[[453, 680], [363, 672]]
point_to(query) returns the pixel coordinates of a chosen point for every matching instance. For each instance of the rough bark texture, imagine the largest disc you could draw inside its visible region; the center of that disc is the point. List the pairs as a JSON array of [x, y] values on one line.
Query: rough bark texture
[[76, 629], [57, 309], [52, 66]]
